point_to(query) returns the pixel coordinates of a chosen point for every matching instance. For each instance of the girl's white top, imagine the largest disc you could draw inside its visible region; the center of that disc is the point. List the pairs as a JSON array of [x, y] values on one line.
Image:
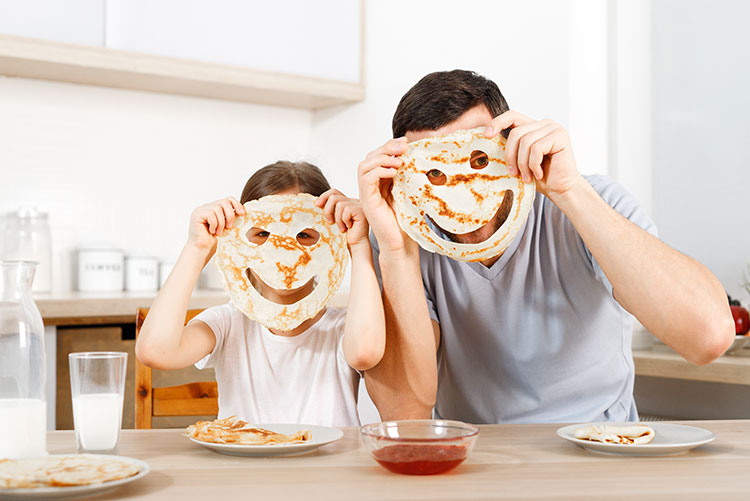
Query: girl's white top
[[265, 378]]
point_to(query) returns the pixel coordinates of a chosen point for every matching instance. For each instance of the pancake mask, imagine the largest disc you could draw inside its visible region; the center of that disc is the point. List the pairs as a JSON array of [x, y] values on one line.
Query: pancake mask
[[284, 260], [460, 181]]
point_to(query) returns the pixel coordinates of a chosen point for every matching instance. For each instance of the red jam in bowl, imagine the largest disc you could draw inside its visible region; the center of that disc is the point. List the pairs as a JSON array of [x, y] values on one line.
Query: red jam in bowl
[[414, 459]]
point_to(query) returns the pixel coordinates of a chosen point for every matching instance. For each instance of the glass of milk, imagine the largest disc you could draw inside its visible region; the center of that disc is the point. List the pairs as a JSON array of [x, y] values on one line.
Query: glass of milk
[[97, 384]]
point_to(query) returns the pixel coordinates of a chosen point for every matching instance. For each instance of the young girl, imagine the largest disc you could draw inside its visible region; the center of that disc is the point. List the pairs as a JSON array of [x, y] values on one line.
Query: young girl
[[305, 375]]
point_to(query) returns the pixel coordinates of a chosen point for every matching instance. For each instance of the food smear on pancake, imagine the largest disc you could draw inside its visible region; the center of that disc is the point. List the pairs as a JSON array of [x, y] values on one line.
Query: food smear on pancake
[[459, 183], [611, 434], [286, 242], [63, 471], [233, 430]]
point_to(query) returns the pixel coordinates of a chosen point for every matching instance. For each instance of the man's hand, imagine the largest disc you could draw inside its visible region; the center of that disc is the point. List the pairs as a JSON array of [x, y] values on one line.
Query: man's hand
[[538, 150], [375, 176]]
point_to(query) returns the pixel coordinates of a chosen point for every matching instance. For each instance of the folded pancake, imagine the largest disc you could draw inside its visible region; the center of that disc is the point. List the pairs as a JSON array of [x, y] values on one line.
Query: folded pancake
[[459, 183], [282, 261], [63, 471], [233, 430], [609, 434]]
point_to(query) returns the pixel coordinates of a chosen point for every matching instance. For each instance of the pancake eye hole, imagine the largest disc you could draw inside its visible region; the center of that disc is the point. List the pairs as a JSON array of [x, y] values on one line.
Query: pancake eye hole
[[258, 236], [308, 237], [479, 159], [436, 177]]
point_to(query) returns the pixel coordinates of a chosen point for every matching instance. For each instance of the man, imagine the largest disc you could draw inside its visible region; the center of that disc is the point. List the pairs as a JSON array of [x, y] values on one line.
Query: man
[[541, 332]]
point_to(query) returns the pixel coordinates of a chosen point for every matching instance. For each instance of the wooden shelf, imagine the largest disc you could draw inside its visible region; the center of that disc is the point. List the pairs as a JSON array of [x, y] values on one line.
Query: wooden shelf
[[94, 308], [46, 60], [733, 369]]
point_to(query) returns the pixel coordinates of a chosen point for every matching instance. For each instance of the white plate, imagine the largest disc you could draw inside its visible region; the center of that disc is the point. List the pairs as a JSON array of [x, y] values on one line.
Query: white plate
[[78, 490], [669, 439], [320, 435]]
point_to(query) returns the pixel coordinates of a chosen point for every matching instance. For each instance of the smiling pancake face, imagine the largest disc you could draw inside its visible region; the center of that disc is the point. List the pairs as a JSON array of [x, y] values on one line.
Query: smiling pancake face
[[460, 181], [283, 260]]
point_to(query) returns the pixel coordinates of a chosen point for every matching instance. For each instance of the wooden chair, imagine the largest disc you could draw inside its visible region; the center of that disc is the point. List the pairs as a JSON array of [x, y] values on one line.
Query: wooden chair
[[192, 399]]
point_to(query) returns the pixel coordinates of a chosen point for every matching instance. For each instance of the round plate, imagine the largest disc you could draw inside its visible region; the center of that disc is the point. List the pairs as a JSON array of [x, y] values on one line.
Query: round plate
[[669, 439], [320, 435], [77, 490]]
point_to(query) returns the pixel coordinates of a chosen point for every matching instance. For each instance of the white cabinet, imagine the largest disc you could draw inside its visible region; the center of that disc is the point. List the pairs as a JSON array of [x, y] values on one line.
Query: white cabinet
[[299, 53], [320, 38], [70, 21]]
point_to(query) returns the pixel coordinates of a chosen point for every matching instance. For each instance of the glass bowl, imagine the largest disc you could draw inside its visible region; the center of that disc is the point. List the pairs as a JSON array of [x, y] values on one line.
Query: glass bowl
[[419, 447]]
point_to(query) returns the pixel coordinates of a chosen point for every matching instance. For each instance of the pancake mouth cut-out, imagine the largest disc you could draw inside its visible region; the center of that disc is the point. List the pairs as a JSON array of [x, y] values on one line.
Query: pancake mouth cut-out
[[473, 237], [256, 282]]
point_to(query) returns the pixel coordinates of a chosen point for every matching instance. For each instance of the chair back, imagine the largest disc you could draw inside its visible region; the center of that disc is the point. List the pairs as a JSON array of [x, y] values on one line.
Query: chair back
[[191, 399]]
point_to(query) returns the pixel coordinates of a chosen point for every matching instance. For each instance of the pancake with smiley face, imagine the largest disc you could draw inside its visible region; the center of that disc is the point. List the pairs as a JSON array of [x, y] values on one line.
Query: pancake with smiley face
[[459, 184], [292, 246]]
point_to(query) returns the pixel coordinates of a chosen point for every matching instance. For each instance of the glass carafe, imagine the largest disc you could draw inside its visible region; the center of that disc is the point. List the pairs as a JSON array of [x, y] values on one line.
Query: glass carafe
[[23, 368]]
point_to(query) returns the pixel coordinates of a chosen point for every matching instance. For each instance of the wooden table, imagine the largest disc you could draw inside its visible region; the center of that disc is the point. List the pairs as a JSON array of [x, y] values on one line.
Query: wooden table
[[509, 461]]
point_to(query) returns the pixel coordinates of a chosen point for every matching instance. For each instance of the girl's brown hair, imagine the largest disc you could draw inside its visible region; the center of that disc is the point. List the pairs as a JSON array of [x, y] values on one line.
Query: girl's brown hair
[[283, 175]]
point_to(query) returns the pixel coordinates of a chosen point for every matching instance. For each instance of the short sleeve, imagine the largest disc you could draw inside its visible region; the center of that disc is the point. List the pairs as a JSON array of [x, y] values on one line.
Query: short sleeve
[[376, 262], [626, 205], [219, 320]]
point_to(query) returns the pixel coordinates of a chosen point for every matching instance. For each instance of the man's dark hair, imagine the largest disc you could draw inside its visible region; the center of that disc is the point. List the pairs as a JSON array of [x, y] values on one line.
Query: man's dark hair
[[441, 97]]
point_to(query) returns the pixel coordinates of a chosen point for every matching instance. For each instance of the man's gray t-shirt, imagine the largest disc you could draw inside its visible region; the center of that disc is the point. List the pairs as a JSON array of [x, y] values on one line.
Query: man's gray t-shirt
[[537, 337]]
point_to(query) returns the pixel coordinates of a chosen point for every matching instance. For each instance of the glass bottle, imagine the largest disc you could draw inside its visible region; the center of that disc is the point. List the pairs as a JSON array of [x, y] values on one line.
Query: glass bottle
[[27, 238], [23, 401]]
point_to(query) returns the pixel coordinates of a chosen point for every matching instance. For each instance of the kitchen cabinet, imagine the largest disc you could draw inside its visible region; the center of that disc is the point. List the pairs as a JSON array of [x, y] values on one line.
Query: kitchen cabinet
[[289, 53], [320, 39]]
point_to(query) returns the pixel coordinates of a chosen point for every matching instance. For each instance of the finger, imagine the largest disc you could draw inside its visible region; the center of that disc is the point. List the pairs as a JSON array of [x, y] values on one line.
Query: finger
[[525, 144], [211, 221], [548, 145], [228, 210], [374, 176], [220, 221], [512, 144], [323, 198], [339, 212], [347, 217], [237, 205], [508, 119], [395, 146], [379, 161], [330, 207]]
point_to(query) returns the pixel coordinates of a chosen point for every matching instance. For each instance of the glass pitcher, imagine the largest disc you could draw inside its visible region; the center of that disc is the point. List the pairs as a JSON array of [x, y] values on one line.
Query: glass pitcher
[[23, 367]]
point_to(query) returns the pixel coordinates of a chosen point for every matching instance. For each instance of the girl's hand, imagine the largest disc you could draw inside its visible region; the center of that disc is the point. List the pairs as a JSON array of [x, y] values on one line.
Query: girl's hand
[[348, 215], [208, 221]]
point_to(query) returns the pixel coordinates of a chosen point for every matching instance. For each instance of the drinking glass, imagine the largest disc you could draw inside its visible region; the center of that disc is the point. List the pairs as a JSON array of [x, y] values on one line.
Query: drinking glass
[[97, 384]]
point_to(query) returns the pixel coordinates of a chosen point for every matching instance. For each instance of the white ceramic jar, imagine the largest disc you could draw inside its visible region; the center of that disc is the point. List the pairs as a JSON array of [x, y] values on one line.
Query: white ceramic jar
[[141, 273], [100, 270]]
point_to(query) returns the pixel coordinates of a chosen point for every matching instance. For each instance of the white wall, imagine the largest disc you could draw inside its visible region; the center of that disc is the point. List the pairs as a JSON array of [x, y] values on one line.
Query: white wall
[[523, 46], [701, 125], [127, 168]]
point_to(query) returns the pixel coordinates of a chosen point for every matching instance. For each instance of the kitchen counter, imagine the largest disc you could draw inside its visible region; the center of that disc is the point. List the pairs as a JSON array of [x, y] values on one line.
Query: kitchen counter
[[525, 461], [661, 361], [95, 308]]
